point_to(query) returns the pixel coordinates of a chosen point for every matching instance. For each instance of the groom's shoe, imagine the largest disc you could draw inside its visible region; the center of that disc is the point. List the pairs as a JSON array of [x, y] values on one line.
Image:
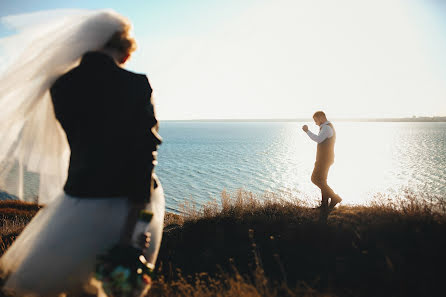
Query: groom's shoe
[[322, 206], [334, 201]]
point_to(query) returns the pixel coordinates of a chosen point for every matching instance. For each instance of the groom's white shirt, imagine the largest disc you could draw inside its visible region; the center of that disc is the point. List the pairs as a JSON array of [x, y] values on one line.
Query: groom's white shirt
[[324, 133]]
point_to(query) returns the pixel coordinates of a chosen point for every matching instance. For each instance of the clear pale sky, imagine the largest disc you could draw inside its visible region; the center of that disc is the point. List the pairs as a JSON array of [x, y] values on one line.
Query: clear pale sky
[[283, 58]]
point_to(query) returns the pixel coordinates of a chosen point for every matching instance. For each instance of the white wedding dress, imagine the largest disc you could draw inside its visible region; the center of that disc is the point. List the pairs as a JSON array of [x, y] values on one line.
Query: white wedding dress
[[57, 250]]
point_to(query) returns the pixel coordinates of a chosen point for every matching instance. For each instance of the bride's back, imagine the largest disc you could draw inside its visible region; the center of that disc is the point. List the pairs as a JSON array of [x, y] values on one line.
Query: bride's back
[[106, 113]]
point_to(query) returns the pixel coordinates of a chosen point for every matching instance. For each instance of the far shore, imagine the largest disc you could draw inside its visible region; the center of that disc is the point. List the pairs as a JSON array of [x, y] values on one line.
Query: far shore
[[384, 120]]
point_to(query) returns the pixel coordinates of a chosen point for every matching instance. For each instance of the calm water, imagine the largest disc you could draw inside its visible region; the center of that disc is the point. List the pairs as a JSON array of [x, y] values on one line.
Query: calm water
[[199, 159]]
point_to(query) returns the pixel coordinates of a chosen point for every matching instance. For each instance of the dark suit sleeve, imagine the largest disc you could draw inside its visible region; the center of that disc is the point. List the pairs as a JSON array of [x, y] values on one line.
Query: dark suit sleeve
[[148, 113], [62, 110], [146, 143]]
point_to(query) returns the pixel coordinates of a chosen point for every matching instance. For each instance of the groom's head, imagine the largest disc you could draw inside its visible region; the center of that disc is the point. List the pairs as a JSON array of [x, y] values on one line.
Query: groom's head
[[319, 117], [121, 45]]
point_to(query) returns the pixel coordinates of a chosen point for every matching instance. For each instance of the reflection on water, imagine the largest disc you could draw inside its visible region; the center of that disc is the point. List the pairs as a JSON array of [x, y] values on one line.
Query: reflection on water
[[385, 157], [199, 160]]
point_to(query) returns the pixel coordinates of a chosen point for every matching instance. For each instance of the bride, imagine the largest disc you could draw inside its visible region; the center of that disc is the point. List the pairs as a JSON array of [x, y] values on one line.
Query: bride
[[70, 113]]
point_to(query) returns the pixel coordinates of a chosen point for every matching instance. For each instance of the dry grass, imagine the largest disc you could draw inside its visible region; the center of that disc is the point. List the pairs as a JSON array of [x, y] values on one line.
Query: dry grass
[[13, 209], [237, 205], [228, 285], [269, 246], [379, 249], [14, 216]]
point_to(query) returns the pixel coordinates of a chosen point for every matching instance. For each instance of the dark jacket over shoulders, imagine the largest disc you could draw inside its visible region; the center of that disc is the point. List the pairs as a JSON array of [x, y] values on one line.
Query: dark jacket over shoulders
[[107, 114]]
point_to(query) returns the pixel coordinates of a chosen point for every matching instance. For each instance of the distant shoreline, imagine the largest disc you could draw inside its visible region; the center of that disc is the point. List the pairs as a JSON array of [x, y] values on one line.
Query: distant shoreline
[[385, 120]]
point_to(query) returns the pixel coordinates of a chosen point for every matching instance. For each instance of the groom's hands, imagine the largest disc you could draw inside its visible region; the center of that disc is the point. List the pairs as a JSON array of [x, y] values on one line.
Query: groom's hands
[[305, 128]]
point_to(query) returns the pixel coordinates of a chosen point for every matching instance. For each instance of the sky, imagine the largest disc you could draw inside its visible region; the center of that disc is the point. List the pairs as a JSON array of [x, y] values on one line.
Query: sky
[[263, 59]]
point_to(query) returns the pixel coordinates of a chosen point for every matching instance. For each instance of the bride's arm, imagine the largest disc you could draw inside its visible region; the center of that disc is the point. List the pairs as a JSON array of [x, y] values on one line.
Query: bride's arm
[[129, 227], [145, 161]]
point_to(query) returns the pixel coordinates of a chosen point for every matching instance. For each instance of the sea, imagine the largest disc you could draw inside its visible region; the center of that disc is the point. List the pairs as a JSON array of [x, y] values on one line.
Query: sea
[[374, 161], [198, 161]]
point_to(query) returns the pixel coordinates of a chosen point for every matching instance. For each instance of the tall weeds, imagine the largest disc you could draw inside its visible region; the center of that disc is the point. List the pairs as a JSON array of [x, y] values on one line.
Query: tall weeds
[[248, 245], [381, 246]]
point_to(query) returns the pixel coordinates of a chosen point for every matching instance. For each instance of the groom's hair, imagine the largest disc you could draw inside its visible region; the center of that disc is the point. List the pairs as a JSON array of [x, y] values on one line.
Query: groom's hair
[[319, 114], [122, 41]]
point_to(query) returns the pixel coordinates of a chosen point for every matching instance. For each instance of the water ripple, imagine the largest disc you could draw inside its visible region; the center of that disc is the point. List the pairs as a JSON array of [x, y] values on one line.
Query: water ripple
[[199, 160]]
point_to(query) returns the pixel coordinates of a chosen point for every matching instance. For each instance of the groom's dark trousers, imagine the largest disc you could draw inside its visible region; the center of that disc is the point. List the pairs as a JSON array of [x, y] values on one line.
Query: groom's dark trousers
[[319, 178], [324, 160]]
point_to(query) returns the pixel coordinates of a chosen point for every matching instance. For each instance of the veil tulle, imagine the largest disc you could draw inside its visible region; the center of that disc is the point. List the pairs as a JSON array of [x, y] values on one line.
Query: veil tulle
[[34, 151]]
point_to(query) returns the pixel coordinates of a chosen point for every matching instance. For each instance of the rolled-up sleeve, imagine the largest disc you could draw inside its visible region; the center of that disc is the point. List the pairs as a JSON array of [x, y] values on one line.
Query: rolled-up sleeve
[[324, 133]]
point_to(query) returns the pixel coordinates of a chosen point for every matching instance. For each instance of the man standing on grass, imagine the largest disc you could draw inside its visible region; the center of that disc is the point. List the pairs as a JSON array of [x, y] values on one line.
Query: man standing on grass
[[324, 159]]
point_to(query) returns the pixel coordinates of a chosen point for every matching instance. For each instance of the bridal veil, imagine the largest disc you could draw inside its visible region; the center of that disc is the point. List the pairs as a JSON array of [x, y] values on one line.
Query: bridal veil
[[34, 152]]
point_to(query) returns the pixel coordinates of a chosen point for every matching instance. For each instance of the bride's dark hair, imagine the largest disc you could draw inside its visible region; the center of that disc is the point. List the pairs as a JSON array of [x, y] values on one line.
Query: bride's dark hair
[[122, 41]]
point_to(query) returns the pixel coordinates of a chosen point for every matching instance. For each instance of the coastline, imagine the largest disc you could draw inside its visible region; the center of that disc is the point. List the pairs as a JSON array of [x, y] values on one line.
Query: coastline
[[413, 119]]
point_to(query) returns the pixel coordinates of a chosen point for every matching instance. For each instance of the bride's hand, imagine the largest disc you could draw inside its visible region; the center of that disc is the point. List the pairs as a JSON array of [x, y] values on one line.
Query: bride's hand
[[130, 223], [144, 240]]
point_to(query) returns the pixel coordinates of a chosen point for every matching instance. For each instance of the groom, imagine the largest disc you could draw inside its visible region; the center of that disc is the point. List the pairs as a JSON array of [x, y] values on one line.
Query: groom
[[324, 159]]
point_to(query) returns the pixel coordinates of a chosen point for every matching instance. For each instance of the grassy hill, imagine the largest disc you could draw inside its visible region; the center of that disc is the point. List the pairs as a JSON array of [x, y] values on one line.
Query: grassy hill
[[249, 246]]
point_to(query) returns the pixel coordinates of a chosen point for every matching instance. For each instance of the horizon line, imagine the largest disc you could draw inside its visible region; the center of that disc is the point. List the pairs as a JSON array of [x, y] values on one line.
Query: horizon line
[[346, 119]]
